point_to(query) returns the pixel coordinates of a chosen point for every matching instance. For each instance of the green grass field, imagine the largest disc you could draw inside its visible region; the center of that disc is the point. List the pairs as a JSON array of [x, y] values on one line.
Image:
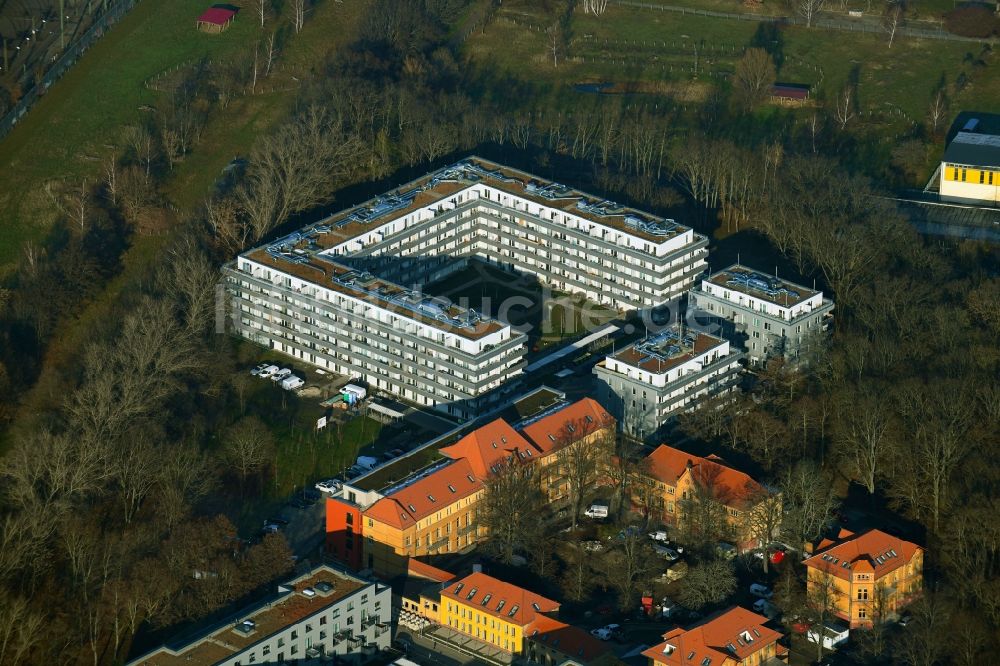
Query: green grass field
[[632, 44], [80, 118]]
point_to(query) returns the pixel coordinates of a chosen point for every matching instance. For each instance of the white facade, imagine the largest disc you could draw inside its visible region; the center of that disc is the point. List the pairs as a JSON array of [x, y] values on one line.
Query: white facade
[[763, 315], [315, 294], [650, 383], [316, 617]]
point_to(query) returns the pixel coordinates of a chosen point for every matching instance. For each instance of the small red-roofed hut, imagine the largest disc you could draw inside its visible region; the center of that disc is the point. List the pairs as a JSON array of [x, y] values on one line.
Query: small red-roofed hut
[[215, 19]]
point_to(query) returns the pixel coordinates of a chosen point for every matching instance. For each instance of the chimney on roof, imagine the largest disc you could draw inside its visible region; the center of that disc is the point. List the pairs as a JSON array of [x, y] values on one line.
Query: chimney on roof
[[690, 464]]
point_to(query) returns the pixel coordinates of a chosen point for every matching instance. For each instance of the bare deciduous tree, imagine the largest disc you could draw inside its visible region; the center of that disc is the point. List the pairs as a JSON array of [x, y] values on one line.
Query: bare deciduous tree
[[511, 500], [892, 18], [863, 436], [249, 447], [20, 628], [298, 14], [938, 109], [708, 583], [584, 447], [808, 9], [628, 566], [554, 42], [822, 598], [295, 168], [595, 7], [808, 500], [754, 75], [843, 109], [262, 9], [72, 200]]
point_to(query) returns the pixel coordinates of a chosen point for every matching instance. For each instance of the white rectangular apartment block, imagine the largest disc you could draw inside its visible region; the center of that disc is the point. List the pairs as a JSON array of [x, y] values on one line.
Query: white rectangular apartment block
[[648, 384], [334, 294], [318, 617], [766, 316]]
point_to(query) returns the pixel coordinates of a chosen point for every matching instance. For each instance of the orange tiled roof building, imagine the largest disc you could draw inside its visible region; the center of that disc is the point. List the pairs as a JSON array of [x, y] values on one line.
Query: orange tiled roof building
[[673, 475], [434, 511], [737, 637], [870, 575]]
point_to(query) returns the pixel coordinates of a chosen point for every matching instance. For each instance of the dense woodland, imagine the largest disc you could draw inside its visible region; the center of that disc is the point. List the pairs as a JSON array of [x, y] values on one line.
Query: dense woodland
[[115, 491]]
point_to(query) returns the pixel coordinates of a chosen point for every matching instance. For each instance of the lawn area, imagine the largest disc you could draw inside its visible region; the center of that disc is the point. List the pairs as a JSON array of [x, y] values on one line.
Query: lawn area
[[70, 129], [305, 455], [631, 44]]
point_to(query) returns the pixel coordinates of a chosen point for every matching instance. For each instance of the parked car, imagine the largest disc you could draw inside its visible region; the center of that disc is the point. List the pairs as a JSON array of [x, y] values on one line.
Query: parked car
[[329, 486], [281, 374], [905, 619], [596, 510], [270, 528], [292, 382], [669, 608], [257, 369], [659, 535], [726, 550], [268, 371], [761, 591], [668, 554], [766, 608], [607, 632]]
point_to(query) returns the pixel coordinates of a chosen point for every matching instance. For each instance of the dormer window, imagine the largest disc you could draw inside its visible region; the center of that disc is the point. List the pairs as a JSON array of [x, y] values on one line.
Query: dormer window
[[503, 439], [431, 498], [570, 428], [486, 599], [588, 418], [452, 488], [668, 649], [746, 637], [500, 605], [552, 437], [472, 593], [412, 508], [513, 610], [707, 661], [470, 478], [494, 444], [537, 608], [458, 588], [690, 655]]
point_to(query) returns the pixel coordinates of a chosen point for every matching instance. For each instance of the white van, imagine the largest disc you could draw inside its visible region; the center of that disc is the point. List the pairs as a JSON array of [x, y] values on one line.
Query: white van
[[291, 382], [596, 511], [366, 462]]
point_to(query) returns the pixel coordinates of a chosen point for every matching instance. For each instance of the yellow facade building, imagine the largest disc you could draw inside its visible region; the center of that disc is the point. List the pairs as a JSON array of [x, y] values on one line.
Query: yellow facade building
[[970, 167], [492, 611], [435, 511], [673, 476], [866, 578]]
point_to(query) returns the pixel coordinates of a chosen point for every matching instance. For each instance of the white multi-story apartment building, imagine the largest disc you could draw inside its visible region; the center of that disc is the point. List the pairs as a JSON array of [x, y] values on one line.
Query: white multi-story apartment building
[[649, 383], [322, 617], [331, 294], [766, 316]]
